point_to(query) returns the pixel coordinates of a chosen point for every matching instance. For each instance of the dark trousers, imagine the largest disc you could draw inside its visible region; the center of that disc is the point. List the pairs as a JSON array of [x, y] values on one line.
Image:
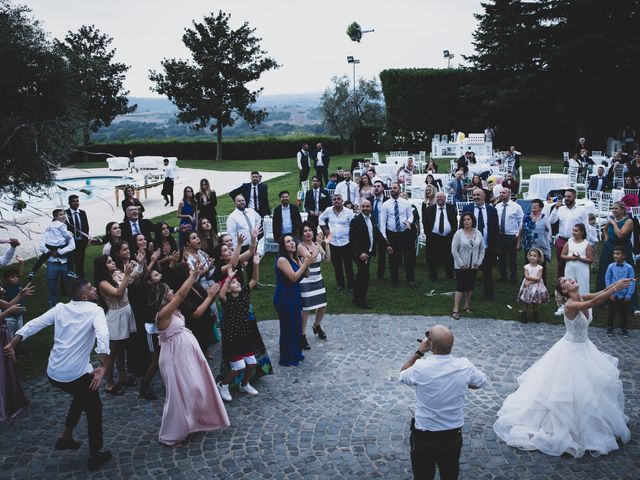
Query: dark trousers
[[487, 273], [400, 242], [167, 190], [79, 253], [341, 256], [323, 174], [382, 258], [429, 449], [87, 401], [560, 242], [619, 305], [507, 255], [361, 286], [304, 173], [438, 252]]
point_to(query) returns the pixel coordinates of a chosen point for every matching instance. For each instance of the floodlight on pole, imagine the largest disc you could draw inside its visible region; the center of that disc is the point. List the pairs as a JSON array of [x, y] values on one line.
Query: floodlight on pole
[[354, 62], [448, 55]]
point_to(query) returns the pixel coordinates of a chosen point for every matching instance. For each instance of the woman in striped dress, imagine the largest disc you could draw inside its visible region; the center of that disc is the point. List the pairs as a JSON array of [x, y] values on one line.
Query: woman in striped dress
[[314, 295]]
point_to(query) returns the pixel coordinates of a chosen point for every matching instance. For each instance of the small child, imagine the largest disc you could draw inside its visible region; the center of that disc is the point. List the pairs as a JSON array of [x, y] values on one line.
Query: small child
[[56, 237], [592, 238], [12, 289], [237, 332], [333, 181], [532, 291], [619, 301]]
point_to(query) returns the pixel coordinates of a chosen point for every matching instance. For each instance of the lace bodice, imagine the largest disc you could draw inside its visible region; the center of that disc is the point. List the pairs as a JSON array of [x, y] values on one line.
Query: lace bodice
[[577, 329]]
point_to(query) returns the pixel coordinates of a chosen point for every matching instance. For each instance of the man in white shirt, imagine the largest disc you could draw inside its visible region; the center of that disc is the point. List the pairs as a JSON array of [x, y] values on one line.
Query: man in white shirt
[[441, 382], [8, 255], [376, 208], [348, 190], [337, 220], [569, 215], [77, 326], [321, 163], [510, 217], [242, 220], [167, 185], [395, 224]]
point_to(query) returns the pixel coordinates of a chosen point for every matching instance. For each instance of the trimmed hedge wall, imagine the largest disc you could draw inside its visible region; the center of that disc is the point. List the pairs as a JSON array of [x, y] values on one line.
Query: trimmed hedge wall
[[257, 148], [429, 100]]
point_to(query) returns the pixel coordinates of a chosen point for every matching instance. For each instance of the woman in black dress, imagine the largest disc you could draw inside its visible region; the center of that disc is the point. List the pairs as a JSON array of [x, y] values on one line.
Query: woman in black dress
[[206, 202], [129, 201]]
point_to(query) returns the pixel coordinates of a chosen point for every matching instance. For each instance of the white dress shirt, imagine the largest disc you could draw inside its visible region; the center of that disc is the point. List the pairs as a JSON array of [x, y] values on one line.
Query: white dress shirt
[[513, 219], [338, 224], [441, 383], [8, 255], [319, 162], [254, 199], [169, 171], [287, 226], [57, 232], [441, 211], [369, 223], [76, 327], [485, 218], [345, 188], [237, 223], [569, 218], [388, 216], [299, 158]]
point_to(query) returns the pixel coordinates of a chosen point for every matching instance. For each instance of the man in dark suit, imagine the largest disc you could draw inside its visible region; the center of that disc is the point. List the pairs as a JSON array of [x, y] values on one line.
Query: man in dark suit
[[376, 207], [364, 236], [487, 222], [286, 218], [255, 193], [134, 225], [316, 200], [321, 163], [304, 162], [78, 225], [440, 223], [598, 182]]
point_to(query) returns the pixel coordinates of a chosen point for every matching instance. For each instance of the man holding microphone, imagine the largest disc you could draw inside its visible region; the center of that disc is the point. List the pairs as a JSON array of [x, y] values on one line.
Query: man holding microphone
[[441, 382]]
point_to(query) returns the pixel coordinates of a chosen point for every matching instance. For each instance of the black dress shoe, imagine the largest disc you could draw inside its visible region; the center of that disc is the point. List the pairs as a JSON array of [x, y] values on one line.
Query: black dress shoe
[[318, 331], [96, 460], [304, 344], [67, 444]]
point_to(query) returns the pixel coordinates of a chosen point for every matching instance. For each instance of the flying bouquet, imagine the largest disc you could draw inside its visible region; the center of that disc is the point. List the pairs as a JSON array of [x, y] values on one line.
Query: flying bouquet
[[355, 32], [19, 205]]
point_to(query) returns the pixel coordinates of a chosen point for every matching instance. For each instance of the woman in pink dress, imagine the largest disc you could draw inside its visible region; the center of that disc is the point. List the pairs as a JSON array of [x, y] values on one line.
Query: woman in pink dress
[[192, 402]]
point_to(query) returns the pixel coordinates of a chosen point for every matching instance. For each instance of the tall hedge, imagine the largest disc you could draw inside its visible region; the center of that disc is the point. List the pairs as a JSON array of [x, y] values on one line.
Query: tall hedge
[[257, 148], [429, 100]]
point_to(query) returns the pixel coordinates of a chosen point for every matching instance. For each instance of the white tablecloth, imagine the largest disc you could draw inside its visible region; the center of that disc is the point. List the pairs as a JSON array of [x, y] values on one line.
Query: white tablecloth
[[540, 184], [617, 194], [600, 158], [581, 202]]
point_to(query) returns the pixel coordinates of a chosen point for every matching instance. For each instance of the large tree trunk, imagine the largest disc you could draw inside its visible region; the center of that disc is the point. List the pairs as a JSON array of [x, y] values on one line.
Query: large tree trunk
[[86, 135], [219, 142]]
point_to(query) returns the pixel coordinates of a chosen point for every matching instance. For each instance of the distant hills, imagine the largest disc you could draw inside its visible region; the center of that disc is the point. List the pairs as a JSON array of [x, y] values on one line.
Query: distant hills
[[155, 119]]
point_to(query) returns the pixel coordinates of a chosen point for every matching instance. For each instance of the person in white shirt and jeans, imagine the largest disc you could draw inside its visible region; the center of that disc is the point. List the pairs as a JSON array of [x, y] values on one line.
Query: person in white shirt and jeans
[[441, 382], [337, 220], [76, 327]]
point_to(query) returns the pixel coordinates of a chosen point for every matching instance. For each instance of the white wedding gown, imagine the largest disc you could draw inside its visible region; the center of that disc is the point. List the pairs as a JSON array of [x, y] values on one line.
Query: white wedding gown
[[570, 400]]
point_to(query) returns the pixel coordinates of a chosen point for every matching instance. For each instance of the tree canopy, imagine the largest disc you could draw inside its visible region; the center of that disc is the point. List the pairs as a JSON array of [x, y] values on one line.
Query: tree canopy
[[343, 114], [210, 89]]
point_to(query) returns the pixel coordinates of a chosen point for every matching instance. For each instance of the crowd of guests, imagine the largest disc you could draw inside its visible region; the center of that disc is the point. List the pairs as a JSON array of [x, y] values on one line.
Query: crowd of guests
[[164, 302]]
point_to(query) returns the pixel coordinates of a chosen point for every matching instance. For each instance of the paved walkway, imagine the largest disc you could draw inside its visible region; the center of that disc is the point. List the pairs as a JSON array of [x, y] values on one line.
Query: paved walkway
[[342, 414]]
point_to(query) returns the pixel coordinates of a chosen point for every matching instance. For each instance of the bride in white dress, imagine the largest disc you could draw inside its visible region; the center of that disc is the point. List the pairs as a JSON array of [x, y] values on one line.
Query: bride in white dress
[[571, 399]]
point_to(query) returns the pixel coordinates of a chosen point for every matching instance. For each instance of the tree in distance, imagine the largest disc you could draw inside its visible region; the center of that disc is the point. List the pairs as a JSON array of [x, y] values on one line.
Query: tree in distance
[[210, 90], [343, 113], [98, 78], [38, 123]]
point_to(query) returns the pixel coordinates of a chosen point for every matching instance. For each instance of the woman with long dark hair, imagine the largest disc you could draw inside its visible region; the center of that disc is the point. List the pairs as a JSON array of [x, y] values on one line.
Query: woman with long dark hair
[[208, 236], [112, 235], [206, 202], [130, 200], [287, 299]]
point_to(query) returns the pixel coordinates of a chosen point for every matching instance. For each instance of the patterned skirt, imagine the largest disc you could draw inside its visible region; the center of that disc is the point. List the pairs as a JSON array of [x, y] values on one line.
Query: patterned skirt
[[312, 289]]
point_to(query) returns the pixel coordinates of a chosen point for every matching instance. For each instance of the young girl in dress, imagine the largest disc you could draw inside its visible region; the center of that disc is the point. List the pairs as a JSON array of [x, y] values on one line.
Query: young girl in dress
[[533, 291], [238, 331], [578, 254]]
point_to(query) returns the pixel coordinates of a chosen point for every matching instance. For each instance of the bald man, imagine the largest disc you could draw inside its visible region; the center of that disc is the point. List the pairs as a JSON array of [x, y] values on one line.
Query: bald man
[[441, 382]]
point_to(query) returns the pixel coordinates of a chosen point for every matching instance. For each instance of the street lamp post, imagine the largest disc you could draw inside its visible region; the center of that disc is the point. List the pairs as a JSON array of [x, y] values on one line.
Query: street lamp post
[[448, 55], [354, 62]]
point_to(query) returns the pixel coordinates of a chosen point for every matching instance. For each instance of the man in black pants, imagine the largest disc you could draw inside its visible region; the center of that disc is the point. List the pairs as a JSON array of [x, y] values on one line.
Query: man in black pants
[[337, 220], [441, 382], [78, 324]]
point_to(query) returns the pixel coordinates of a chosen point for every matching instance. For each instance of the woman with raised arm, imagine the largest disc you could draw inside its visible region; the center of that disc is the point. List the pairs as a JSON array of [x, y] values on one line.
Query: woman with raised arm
[[192, 402], [287, 298], [571, 399]]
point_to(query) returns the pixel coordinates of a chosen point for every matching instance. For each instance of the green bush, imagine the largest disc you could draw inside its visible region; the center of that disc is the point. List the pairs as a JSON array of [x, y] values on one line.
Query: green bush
[[258, 148]]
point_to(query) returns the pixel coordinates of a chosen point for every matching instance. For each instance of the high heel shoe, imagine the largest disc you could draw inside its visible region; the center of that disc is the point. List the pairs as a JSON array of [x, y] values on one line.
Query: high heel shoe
[[304, 344], [318, 331]]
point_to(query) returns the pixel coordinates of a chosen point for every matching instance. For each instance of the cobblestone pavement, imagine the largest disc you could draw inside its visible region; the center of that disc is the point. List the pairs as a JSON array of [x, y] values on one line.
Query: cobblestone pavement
[[342, 414]]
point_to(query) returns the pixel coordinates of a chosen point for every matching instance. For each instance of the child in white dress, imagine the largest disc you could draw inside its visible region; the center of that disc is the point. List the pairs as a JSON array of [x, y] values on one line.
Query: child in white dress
[[533, 290]]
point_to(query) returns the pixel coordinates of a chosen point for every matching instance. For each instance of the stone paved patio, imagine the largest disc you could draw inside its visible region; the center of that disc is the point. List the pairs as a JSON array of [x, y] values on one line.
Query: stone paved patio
[[342, 414]]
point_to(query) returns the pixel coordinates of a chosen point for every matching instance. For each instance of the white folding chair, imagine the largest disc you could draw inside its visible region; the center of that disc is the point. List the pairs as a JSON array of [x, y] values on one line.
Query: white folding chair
[[222, 223], [522, 182], [635, 212], [544, 169], [461, 205], [596, 153], [565, 156]]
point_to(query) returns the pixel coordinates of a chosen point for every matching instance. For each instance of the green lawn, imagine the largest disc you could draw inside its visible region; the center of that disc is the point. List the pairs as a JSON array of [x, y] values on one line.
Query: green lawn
[[431, 298]]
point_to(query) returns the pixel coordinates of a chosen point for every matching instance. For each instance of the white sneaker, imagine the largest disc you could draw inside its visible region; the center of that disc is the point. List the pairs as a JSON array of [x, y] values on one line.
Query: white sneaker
[[248, 389], [560, 311], [224, 392]]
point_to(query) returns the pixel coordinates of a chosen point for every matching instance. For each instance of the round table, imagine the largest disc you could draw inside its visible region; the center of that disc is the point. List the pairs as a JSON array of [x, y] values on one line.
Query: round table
[[540, 184]]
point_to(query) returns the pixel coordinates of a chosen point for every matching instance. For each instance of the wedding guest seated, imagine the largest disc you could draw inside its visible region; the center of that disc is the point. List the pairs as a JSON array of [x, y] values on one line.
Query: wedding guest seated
[[432, 166], [430, 180], [511, 184], [598, 182]]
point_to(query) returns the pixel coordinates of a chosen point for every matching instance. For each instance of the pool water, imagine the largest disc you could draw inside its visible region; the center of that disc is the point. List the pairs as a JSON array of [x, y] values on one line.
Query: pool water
[[91, 184]]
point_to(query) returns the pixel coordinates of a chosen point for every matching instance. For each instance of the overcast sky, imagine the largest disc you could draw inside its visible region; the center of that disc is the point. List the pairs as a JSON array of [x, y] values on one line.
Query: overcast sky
[[307, 37]]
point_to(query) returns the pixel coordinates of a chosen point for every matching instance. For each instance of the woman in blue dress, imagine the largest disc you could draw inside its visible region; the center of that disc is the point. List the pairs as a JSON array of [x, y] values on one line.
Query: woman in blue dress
[[187, 214], [287, 299]]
